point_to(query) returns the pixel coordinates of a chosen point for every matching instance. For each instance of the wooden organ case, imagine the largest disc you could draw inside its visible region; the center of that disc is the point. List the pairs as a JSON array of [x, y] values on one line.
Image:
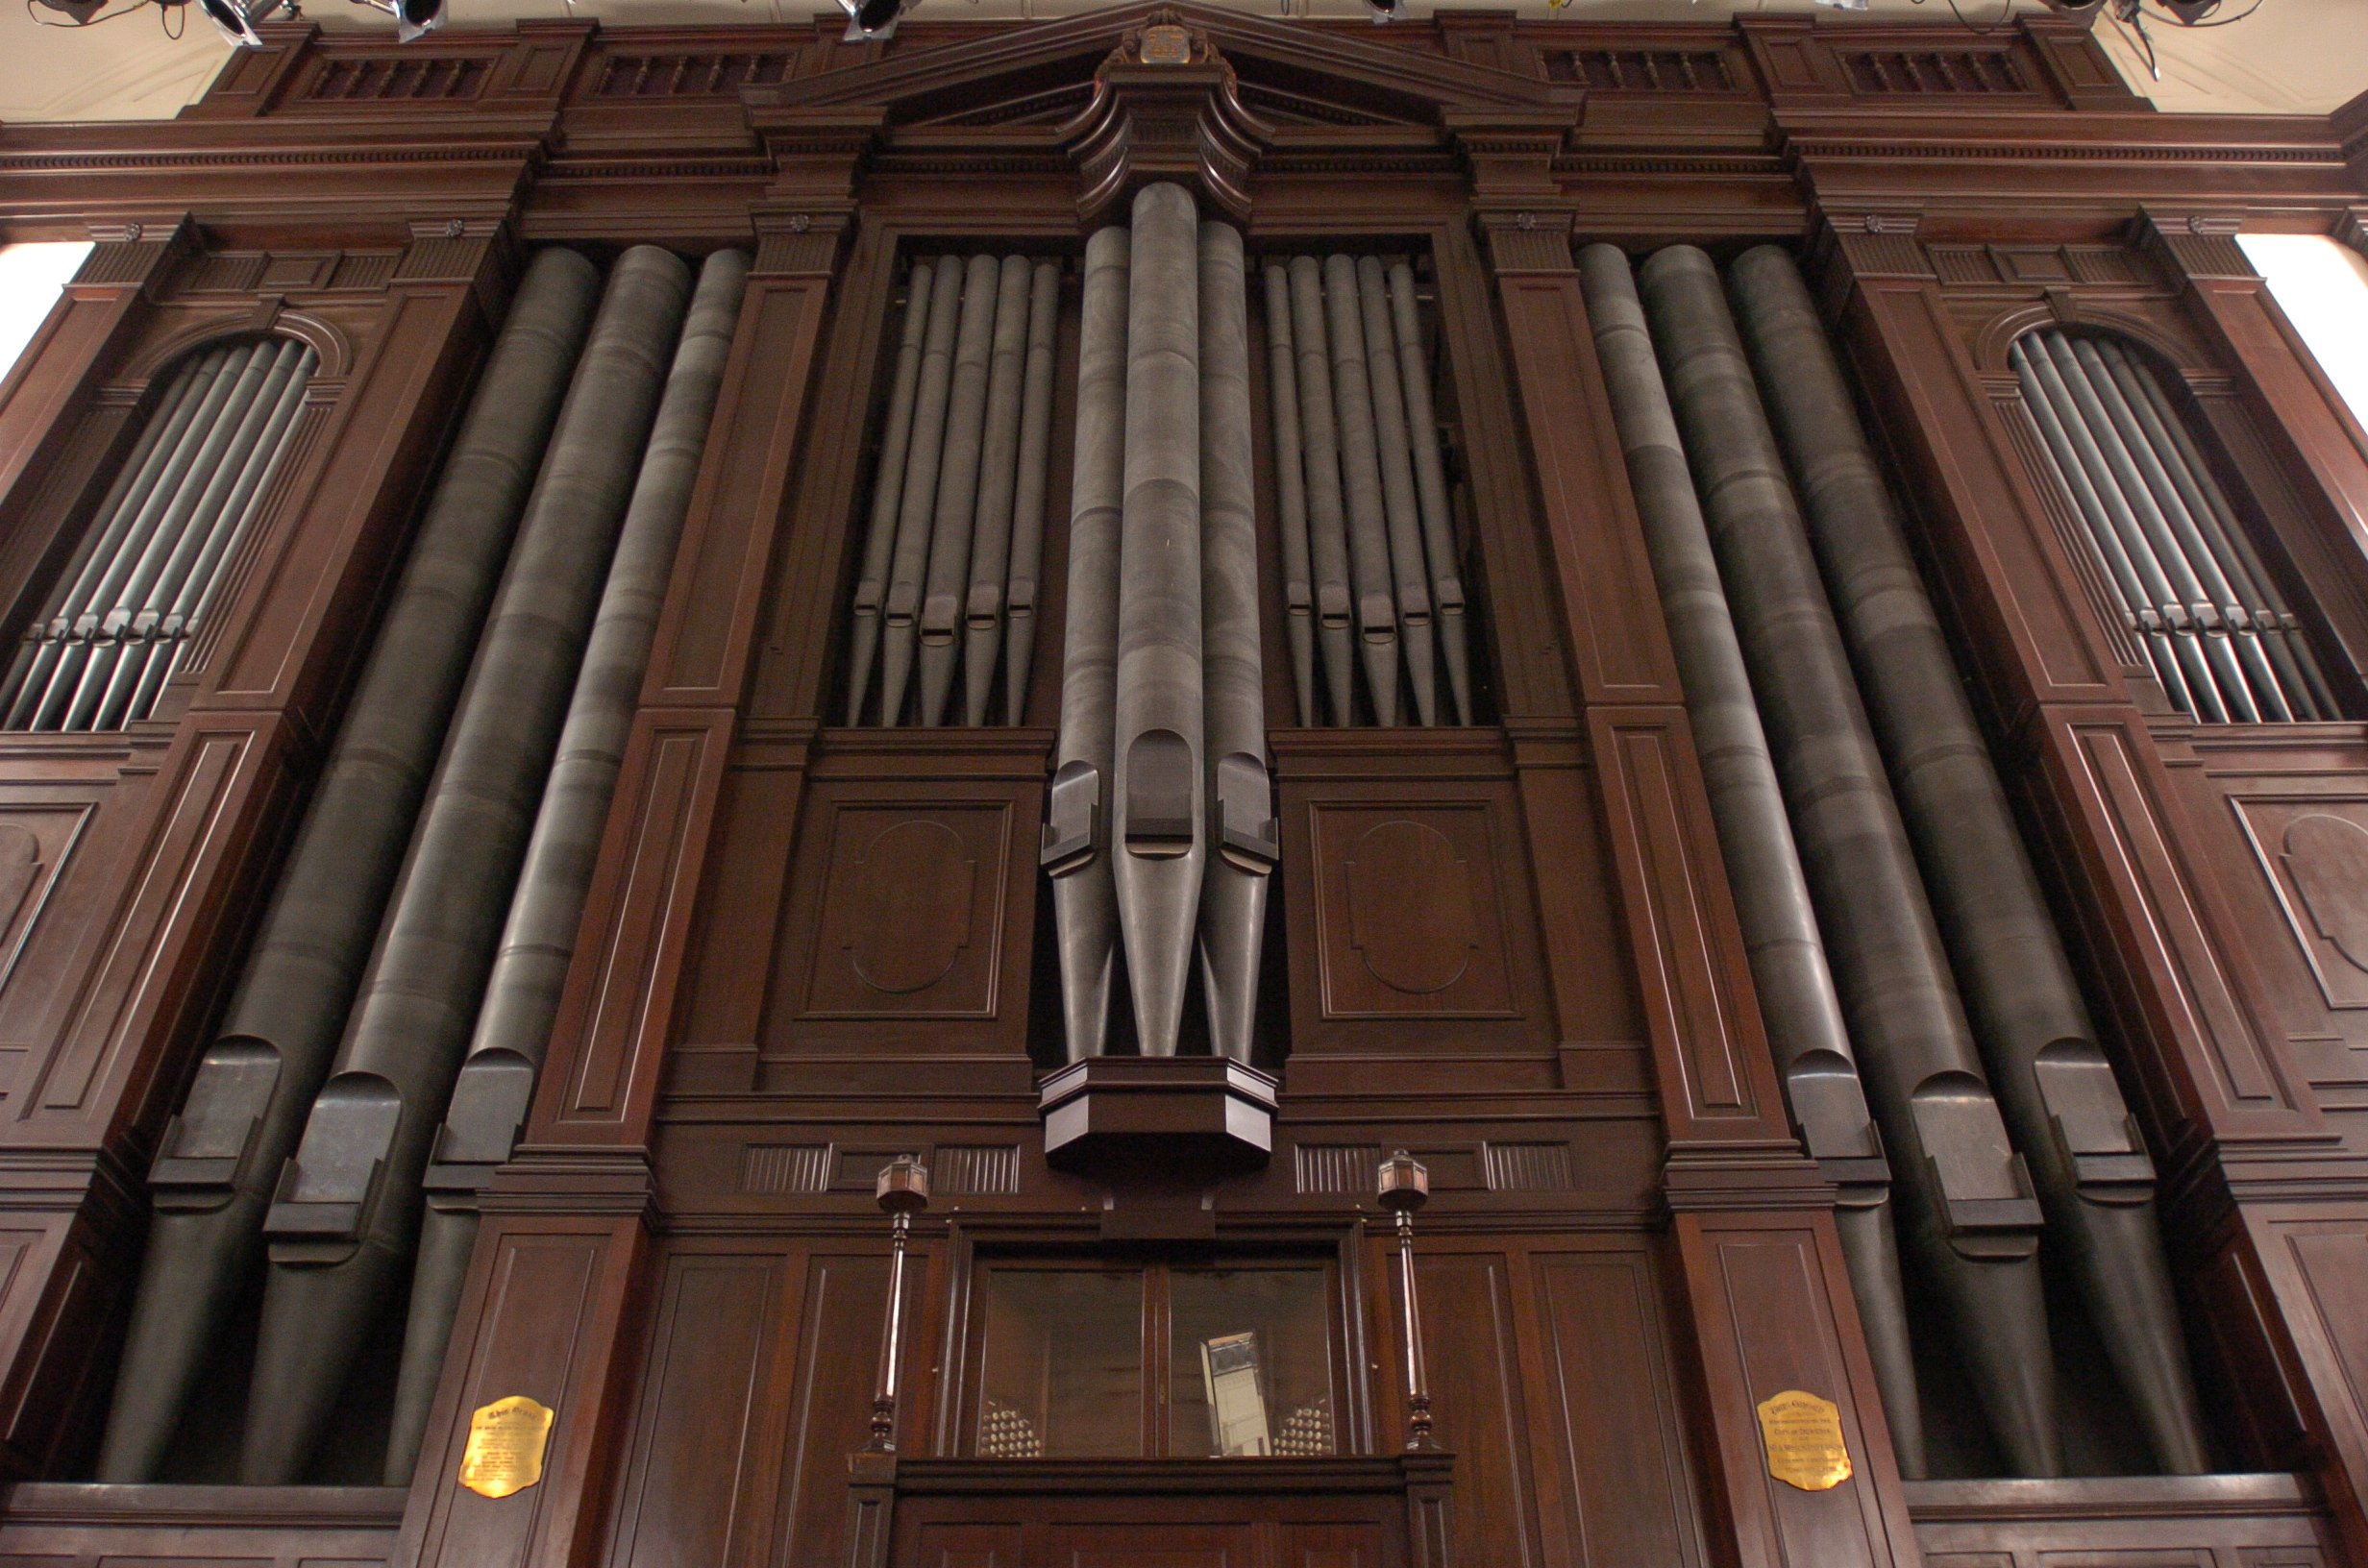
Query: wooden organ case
[[813, 942]]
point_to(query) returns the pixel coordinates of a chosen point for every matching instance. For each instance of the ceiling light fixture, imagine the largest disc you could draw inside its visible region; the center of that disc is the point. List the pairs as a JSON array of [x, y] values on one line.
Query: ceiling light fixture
[[873, 20], [415, 19], [1386, 11], [237, 19]]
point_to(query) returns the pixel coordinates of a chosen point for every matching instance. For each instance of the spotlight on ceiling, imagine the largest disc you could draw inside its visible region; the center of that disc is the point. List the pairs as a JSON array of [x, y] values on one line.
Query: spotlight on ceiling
[[1386, 11], [78, 12], [2080, 11], [1845, 4], [237, 19], [872, 19], [2189, 12], [413, 18]]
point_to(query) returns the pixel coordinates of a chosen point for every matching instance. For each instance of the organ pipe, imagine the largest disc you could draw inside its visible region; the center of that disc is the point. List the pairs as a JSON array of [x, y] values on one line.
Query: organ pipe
[[954, 524], [1290, 491], [490, 1097], [1077, 810], [1158, 796], [1028, 501], [998, 460], [2054, 1084], [879, 541], [1409, 575], [1327, 516], [345, 1215], [1233, 893], [1964, 1197], [917, 506], [1446, 572], [255, 1084], [1788, 968], [1360, 459]]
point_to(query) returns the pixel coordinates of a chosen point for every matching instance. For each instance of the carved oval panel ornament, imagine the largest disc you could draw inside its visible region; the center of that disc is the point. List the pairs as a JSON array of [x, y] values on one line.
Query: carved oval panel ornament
[[1410, 907], [2328, 858], [912, 894], [1802, 1433]]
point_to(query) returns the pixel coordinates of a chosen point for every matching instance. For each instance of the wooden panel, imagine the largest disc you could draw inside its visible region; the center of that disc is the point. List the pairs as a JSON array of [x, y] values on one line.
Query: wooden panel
[[912, 909], [72, 1525], [828, 1414], [1385, 953], [1611, 1392], [2227, 1521], [1480, 1396]]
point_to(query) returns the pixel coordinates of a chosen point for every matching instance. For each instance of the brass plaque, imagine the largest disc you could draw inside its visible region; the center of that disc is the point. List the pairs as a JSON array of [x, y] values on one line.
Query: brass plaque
[[507, 1439], [1167, 45], [1804, 1446]]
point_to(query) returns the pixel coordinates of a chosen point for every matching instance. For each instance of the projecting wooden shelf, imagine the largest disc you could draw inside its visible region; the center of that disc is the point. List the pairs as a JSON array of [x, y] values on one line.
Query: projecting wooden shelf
[[1180, 1114]]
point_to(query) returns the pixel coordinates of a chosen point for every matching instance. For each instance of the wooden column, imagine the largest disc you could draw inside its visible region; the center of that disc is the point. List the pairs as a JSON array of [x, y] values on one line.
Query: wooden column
[[1761, 1268], [2266, 1212], [554, 1303], [156, 842]]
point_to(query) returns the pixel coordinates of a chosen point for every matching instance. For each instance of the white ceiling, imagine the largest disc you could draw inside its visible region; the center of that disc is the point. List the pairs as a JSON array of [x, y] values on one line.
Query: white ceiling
[[2290, 57]]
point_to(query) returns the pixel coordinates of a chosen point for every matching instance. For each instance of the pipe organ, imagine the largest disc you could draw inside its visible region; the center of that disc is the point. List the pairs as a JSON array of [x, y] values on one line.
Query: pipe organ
[[1125, 638]]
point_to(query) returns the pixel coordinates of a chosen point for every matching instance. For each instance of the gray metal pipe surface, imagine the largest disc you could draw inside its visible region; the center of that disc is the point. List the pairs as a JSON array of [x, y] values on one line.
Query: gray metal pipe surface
[[2258, 610], [1076, 848], [1327, 519], [1368, 528], [2054, 1084], [1233, 892], [29, 674], [1027, 500], [490, 1097], [1159, 793], [952, 528], [255, 1084], [1797, 998], [345, 1214], [1446, 572], [153, 635], [1965, 1203], [1290, 491], [999, 481], [879, 539], [2044, 387], [2138, 611], [1409, 575], [917, 507], [2274, 611]]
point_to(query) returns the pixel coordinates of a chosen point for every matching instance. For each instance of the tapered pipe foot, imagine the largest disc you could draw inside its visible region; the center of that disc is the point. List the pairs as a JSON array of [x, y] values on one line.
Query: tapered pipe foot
[[189, 1285], [2116, 1253], [1872, 1251], [316, 1317], [1998, 1310], [446, 1239], [1381, 679]]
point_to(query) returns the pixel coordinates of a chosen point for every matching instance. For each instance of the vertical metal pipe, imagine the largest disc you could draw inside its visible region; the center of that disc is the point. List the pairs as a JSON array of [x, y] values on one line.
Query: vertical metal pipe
[[2139, 605], [489, 1099], [957, 488], [1290, 491], [917, 507], [2081, 449], [2287, 634], [1077, 809], [1400, 511], [1233, 893], [1368, 531], [2254, 611], [1328, 524], [2221, 611], [1966, 1201], [1797, 998], [999, 481], [346, 1212], [1028, 500], [2095, 1180], [1159, 795], [2150, 534], [199, 580], [879, 539], [216, 1160], [1446, 572]]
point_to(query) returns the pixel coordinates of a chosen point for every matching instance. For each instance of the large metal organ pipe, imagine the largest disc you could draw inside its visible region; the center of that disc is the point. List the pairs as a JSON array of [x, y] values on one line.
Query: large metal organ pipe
[[1337, 612], [217, 1160], [1796, 991], [2054, 1084], [948, 574], [345, 1214], [1965, 1199], [1446, 572], [1291, 492], [156, 549], [1163, 721], [2217, 631], [490, 1097], [1409, 575], [1378, 612]]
